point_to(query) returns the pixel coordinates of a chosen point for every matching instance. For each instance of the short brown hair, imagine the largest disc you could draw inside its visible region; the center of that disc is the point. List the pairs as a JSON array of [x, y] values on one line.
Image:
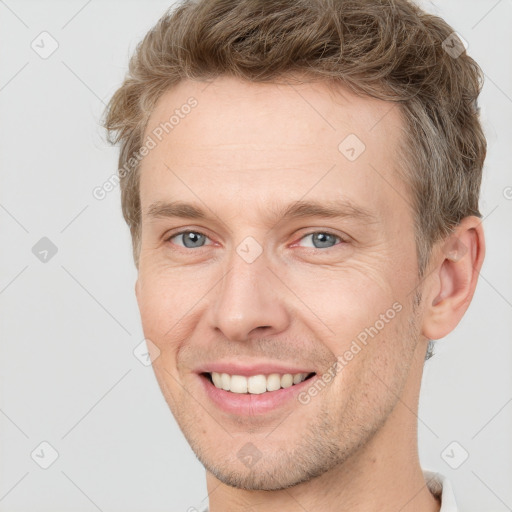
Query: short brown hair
[[387, 49]]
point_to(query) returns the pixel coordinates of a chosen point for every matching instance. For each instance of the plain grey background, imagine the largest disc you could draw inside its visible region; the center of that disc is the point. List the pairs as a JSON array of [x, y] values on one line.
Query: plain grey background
[[69, 320]]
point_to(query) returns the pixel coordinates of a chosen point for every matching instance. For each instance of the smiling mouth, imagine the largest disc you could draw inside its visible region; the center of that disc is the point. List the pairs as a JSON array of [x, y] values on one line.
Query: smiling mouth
[[255, 384]]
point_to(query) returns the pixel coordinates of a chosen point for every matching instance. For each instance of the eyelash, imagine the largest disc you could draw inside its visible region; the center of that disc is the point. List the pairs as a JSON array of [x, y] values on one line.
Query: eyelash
[[168, 239]]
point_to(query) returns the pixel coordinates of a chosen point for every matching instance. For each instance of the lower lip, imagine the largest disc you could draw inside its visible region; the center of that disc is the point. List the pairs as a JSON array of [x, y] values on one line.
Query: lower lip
[[246, 404]]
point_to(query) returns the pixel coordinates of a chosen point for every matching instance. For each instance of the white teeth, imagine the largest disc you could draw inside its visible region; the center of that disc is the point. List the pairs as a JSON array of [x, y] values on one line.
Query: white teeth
[[273, 382], [238, 384], [225, 381], [217, 379], [297, 378], [256, 384], [286, 380]]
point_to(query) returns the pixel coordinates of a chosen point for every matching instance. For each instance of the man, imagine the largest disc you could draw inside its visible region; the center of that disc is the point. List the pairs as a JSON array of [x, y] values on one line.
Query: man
[[301, 181]]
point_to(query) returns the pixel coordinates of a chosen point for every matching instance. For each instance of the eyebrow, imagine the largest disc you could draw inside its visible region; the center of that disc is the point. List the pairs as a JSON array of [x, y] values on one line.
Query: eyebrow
[[342, 208]]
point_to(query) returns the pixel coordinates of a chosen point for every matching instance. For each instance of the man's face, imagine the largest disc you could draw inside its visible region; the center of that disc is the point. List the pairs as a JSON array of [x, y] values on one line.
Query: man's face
[[249, 292]]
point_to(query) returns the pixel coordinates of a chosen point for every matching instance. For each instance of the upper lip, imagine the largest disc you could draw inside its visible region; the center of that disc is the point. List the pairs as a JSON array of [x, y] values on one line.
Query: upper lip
[[236, 368]]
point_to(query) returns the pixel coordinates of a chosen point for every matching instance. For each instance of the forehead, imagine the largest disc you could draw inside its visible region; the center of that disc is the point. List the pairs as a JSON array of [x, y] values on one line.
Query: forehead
[[233, 138], [305, 111]]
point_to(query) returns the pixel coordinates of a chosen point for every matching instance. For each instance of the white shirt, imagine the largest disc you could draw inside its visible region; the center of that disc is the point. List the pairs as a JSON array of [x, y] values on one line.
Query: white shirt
[[438, 485]]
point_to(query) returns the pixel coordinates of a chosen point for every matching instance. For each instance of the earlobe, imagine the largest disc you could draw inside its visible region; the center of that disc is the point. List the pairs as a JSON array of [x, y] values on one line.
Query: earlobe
[[456, 274]]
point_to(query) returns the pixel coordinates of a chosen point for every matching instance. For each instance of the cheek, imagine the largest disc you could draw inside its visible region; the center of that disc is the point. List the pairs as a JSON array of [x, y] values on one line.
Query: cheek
[[165, 294], [170, 301], [342, 300], [160, 316], [375, 368], [158, 298]]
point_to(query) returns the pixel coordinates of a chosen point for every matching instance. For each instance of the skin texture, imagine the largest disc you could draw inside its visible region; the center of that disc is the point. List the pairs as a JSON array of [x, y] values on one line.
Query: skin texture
[[243, 152]]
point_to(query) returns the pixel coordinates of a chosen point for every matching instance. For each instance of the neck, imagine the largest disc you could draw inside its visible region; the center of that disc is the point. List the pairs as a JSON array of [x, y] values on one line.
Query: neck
[[384, 475]]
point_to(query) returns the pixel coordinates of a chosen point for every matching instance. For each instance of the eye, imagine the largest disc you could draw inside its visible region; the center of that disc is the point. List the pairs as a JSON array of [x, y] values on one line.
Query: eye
[[321, 239], [317, 239], [190, 239]]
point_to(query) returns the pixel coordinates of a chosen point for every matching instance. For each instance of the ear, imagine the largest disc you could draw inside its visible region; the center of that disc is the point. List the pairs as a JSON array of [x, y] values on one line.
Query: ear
[[453, 280]]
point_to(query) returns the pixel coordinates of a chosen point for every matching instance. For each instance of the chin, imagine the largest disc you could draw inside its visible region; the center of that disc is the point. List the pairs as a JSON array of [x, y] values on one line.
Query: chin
[[263, 479]]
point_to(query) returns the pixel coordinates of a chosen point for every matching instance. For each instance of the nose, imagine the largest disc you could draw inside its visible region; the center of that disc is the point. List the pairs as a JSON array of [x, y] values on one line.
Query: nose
[[249, 301]]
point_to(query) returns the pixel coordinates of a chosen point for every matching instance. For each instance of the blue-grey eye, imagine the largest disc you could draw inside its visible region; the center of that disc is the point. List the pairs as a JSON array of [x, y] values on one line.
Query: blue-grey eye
[[321, 240], [191, 239]]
